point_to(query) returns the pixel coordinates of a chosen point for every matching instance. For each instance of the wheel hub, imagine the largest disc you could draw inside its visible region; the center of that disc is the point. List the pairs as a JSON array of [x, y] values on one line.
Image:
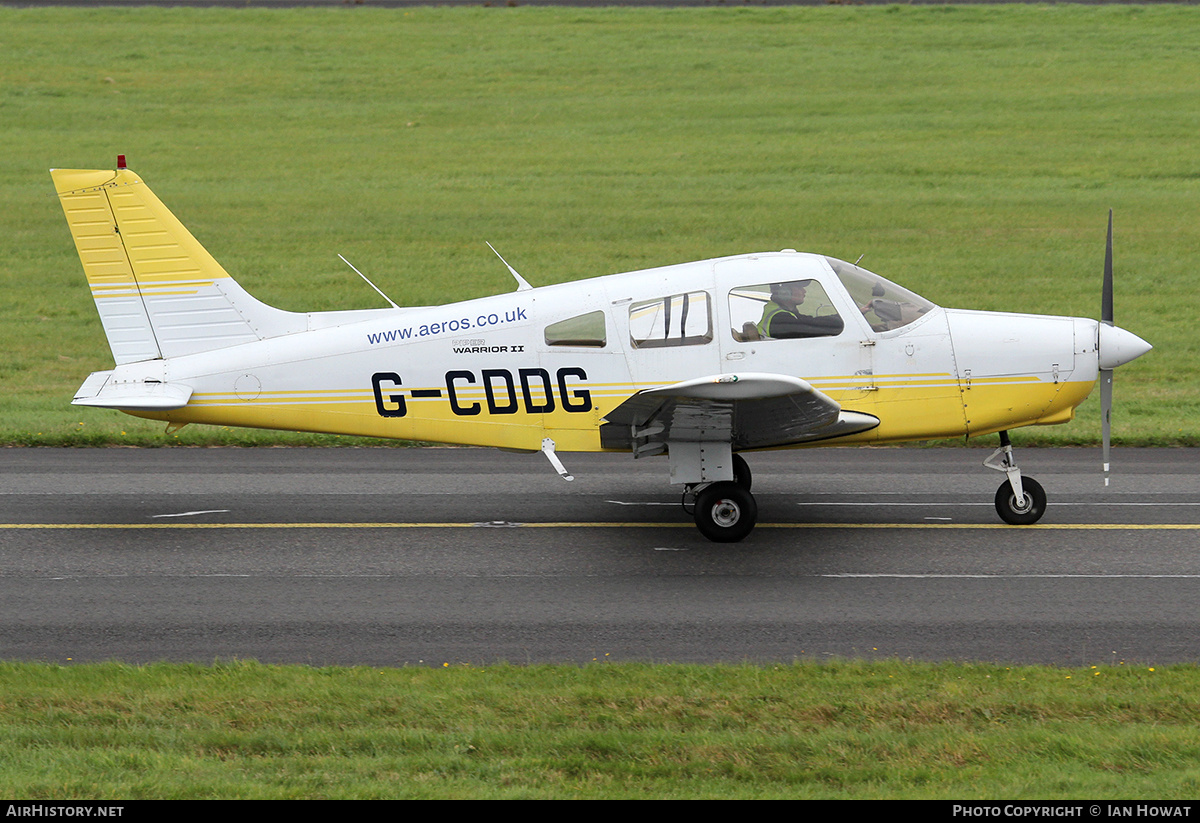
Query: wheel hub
[[725, 513], [1021, 506]]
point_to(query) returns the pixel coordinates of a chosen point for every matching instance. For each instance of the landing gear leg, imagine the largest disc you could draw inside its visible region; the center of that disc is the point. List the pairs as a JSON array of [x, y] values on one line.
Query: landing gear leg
[[741, 472], [716, 488], [1020, 501]]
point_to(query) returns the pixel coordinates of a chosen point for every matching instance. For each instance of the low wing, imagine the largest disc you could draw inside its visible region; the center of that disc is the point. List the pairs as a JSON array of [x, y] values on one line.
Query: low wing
[[748, 411]]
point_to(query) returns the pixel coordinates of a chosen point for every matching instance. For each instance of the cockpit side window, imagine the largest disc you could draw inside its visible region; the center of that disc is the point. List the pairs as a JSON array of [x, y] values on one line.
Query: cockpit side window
[[782, 311], [674, 320], [885, 305]]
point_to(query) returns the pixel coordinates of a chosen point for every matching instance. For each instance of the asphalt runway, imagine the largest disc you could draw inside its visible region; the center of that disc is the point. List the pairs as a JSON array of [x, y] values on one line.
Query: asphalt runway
[[392, 557]]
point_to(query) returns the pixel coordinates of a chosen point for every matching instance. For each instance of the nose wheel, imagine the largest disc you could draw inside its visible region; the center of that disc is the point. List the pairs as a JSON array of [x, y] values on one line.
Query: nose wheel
[[1024, 511], [1020, 501]]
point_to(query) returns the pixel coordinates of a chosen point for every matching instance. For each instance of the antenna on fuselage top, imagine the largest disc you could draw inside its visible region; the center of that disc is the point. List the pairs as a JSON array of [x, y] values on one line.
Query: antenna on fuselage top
[[369, 283], [522, 283]]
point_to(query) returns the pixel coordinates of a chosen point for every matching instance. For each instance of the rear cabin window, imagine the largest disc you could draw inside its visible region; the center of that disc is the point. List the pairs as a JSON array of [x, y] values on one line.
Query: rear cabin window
[[582, 330], [674, 320]]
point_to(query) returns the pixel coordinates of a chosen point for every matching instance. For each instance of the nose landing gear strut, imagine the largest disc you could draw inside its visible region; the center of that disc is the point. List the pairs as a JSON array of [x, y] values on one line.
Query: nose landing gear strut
[[1020, 501]]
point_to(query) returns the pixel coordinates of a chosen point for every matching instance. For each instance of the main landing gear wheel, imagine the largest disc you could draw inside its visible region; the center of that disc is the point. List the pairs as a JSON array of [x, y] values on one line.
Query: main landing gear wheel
[[1028, 510], [725, 512]]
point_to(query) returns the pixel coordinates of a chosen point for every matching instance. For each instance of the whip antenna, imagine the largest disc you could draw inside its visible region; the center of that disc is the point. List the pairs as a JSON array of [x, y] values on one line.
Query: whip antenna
[[369, 283], [522, 283]]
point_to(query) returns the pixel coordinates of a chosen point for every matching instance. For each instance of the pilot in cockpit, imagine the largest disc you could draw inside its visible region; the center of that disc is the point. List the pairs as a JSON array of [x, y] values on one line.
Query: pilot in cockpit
[[782, 318]]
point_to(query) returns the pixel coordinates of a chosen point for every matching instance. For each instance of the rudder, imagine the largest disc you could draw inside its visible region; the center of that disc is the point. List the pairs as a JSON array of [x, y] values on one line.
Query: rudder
[[159, 292]]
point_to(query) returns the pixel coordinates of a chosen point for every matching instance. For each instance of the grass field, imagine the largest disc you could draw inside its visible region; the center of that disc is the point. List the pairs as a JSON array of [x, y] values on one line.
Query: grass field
[[846, 730], [970, 153]]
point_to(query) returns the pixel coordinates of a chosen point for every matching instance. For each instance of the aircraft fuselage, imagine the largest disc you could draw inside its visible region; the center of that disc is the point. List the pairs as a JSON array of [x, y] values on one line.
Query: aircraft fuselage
[[506, 370]]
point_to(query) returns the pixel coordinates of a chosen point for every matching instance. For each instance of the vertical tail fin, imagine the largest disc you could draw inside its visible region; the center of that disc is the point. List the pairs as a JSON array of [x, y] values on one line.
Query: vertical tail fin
[[159, 292]]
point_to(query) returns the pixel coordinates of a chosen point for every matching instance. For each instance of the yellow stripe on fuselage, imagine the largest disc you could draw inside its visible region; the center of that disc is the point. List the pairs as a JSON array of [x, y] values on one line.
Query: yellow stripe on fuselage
[[909, 407]]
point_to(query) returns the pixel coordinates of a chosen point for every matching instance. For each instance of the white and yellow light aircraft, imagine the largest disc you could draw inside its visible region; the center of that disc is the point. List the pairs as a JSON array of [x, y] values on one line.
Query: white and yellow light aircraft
[[698, 361]]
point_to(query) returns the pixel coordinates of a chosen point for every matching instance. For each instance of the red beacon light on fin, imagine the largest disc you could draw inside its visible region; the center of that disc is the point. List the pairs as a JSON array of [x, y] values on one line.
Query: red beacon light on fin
[[120, 161]]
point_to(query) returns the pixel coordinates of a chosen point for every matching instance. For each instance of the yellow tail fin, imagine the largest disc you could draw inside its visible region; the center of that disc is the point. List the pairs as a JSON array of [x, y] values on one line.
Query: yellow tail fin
[[159, 292]]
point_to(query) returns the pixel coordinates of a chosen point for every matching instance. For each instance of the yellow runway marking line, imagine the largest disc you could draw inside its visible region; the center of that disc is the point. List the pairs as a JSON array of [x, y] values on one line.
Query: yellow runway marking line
[[602, 525]]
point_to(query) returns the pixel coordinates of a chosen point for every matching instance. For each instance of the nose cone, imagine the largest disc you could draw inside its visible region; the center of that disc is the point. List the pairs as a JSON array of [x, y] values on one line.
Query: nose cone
[[1118, 347]]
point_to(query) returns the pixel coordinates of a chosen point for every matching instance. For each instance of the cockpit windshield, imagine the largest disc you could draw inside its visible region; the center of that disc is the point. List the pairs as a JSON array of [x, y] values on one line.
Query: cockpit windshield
[[885, 305]]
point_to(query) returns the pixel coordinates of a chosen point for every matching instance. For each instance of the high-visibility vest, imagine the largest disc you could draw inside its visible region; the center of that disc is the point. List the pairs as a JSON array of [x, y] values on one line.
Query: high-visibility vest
[[769, 311]]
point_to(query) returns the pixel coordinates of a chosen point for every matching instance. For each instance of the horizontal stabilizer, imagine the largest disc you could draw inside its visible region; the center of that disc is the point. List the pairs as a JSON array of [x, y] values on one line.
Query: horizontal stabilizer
[[101, 391]]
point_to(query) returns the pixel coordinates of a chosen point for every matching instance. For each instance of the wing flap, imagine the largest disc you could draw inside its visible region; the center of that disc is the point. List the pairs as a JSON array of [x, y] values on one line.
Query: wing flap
[[749, 411]]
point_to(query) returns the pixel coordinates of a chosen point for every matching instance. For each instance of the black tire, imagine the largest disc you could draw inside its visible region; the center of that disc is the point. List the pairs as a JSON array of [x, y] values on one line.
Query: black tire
[[741, 472], [725, 512], [1029, 511]]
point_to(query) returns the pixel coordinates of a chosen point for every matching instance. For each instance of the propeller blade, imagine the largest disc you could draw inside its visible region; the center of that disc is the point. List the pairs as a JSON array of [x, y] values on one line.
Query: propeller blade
[[1106, 375], [1114, 347], [1106, 387], [1106, 293]]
